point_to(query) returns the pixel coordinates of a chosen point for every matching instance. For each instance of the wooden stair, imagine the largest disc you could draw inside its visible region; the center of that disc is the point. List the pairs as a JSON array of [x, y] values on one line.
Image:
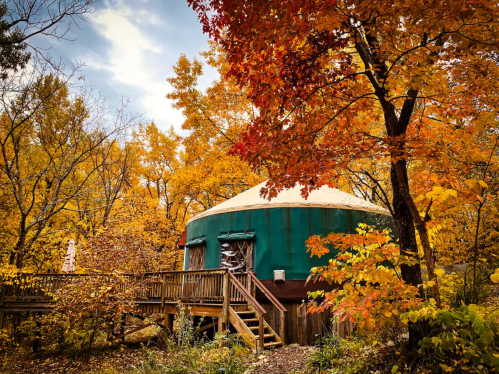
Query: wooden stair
[[247, 324]]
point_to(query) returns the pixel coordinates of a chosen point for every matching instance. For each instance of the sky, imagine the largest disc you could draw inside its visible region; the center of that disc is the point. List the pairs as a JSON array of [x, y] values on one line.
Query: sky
[[129, 48]]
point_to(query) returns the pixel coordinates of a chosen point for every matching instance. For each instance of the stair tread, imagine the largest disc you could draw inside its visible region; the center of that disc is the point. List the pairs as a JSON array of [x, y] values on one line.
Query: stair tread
[[245, 312], [265, 336], [256, 327], [250, 320], [272, 344]]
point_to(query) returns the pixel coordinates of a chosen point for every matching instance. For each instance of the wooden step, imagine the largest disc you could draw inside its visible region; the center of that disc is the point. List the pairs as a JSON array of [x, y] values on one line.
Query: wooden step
[[246, 312], [256, 327], [273, 344], [265, 336], [250, 320]]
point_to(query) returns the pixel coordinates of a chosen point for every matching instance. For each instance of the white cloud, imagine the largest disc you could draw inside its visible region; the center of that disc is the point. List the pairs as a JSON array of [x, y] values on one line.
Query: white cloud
[[129, 60]]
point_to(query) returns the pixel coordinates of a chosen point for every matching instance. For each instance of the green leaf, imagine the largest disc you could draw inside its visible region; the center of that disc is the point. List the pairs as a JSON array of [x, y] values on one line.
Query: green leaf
[[459, 316], [468, 354], [479, 344], [486, 358], [464, 333]]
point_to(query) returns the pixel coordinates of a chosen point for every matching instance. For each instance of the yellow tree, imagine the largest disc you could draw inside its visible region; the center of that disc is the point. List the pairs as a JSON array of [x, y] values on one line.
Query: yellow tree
[[46, 137], [215, 120]]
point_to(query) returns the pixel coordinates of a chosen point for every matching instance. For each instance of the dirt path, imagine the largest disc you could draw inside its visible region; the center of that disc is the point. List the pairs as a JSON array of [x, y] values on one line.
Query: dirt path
[[290, 359]]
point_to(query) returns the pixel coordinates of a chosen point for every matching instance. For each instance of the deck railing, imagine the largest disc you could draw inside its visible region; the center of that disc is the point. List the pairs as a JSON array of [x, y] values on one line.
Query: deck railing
[[206, 286], [35, 292]]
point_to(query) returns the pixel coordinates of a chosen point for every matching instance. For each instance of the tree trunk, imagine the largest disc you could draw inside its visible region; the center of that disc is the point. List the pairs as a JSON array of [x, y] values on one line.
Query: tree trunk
[[404, 224], [16, 257]]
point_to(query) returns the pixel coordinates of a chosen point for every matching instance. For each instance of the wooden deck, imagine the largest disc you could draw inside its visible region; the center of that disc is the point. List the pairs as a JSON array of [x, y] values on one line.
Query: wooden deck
[[215, 293]]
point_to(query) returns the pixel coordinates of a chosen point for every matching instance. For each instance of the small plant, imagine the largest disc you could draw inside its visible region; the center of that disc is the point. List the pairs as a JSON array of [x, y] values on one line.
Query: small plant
[[331, 348], [196, 356], [185, 330], [461, 339], [150, 364]]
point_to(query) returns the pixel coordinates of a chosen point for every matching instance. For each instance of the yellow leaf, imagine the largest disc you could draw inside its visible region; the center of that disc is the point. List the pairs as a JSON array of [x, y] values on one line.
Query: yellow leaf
[[495, 277], [439, 272], [370, 323], [483, 184], [413, 316], [451, 192]]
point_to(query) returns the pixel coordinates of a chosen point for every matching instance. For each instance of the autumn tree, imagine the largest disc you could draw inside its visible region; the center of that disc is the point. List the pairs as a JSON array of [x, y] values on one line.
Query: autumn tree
[[48, 138], [158, 168], [336, 82], [215, 120], [22, 20], [137, 239], [108, 188]]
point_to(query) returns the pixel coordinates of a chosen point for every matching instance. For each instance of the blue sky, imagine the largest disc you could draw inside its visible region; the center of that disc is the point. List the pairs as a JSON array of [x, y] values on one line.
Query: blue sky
[[129, 47]]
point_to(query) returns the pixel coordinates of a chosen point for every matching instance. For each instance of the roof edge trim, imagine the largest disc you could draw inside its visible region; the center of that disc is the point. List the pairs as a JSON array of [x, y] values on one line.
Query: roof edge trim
[[377, 210]]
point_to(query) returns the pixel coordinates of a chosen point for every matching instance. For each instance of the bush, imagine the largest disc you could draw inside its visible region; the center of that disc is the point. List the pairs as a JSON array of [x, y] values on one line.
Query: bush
[[339, 355], [198, 356], [457, 287], [462, 340], [87, 308]]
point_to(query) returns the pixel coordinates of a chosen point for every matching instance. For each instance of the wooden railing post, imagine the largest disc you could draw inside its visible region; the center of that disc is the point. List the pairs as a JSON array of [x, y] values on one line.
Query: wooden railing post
[[38, 332], [226, 299], [260, 332], [163, 290], [282, 310], [282, 326]]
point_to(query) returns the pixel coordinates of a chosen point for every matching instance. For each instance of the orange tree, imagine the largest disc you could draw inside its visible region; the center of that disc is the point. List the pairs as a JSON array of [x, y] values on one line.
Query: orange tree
[[215, 118], [338, 82]]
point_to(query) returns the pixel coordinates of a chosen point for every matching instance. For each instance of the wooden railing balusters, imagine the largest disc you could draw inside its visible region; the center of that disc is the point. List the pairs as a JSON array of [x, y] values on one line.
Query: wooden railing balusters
[[202, 286]]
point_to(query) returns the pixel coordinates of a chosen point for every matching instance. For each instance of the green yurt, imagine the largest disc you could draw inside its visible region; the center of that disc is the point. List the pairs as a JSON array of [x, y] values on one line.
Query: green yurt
[[250, 233]]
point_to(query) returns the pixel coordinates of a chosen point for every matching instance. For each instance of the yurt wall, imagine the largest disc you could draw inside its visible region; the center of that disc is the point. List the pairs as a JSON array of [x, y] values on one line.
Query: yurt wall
[[279, 236]]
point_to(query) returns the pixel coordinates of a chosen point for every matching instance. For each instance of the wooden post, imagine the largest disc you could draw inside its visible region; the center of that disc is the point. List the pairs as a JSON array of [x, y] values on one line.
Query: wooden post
[[282, 327], [38, 332], [168, 322], [220, 325], [251, 287], [260, 331], [226, 300], [163, 291]]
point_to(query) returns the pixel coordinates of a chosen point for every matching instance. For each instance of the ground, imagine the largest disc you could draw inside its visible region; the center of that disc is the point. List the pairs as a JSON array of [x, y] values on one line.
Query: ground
[[290, 359], [48, 364]]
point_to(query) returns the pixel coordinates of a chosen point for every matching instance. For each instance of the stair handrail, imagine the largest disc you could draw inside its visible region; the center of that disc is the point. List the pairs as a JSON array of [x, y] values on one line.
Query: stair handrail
[[247, 295], [267, 293], [282, 310]]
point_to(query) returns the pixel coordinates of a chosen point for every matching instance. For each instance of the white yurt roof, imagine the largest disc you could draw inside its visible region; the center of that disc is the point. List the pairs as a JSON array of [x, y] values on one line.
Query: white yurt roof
[[324, 197]]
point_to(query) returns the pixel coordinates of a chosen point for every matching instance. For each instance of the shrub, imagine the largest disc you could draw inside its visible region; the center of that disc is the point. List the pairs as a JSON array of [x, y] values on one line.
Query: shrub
[[462, 340], [198, 356], [87, 307], [457, 287], [372, 292], [339, 355]]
